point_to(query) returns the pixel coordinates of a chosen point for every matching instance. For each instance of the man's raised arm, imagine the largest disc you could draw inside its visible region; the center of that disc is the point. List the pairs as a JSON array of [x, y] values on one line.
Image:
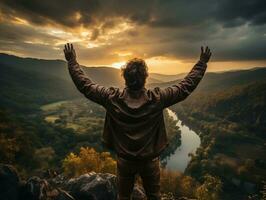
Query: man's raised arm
[[91, 90], [183, 89]]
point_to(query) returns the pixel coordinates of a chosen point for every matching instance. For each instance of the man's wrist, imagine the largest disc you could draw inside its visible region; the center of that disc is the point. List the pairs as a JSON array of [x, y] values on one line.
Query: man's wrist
[[203, 62], [72, 62]]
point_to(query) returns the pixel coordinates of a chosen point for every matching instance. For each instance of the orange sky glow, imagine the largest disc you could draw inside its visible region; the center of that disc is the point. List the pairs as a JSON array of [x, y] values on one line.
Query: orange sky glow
[[112, 45]]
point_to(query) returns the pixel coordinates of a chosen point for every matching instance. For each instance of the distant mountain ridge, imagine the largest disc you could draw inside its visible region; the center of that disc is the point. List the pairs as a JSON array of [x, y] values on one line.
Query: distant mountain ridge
[[102, 74], [222, 80], [38, 81]]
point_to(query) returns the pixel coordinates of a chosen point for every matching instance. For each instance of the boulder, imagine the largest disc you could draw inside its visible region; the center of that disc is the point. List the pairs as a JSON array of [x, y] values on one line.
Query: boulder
[[92, 186], [39, 189], [63, 195], [9, 183], [98, 186], [36, 189]]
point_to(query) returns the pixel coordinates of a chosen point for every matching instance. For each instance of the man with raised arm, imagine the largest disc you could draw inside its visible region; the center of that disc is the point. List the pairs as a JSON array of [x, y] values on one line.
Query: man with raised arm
[[134, 124]]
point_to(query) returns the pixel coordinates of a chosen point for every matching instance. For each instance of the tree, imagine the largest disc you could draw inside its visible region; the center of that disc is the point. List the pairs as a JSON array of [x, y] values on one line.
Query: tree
[[187, 186], [88, 160], [210, 189]]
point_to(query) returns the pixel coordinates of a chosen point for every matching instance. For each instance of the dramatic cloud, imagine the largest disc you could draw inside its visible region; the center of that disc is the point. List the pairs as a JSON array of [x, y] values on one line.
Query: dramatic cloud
[[111, 31], [169, 13]]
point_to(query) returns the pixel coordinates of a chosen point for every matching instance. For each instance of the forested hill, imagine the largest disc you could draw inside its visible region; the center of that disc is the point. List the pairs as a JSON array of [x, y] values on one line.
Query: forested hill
[[36, 81], [43, 121], [214, 81], [232, 125], [244, 104]]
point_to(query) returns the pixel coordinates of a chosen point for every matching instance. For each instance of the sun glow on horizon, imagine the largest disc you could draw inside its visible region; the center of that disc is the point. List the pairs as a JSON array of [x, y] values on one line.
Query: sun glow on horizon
[[118, 65], [106, 44]]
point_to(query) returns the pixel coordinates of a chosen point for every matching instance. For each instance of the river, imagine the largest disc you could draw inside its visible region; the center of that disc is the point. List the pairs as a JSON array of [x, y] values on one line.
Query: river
[[190, 141]]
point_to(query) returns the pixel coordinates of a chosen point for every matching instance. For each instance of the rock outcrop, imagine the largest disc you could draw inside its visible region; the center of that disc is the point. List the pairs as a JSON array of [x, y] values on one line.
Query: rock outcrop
[[9, 183], [36, 188], [91, 186], [97, 186]]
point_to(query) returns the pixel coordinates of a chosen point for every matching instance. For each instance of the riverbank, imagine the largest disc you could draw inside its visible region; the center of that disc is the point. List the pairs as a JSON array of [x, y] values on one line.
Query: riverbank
[[190, 141], [228, 151]]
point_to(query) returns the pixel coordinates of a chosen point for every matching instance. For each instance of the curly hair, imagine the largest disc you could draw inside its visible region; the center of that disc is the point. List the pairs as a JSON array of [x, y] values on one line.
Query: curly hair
[[135, 73]]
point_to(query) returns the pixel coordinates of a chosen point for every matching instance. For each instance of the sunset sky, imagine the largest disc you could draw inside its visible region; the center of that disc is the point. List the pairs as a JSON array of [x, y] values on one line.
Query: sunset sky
[[167, 33]]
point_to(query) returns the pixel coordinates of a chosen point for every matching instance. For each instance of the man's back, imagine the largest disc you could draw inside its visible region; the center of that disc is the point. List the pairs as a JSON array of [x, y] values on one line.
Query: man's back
[[134, 124]]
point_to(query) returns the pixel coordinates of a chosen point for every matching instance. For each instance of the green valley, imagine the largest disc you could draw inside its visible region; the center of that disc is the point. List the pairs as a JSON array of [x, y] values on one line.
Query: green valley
[[43, 119]]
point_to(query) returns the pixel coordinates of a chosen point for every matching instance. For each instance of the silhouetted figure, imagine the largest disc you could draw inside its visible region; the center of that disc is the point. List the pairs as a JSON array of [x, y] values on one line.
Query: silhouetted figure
[[134, 125]]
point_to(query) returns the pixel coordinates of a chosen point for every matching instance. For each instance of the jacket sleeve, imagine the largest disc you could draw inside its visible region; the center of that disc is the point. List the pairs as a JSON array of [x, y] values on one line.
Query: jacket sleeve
[[91, 90], [176, 93]]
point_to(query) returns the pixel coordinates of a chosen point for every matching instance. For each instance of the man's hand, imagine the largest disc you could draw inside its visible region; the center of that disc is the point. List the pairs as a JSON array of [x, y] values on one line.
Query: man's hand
[[69, 51], [205, 55]]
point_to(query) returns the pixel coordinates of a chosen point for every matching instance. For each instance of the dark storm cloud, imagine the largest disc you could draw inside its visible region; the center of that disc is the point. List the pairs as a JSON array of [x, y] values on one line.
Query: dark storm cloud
[[168, 13], [234, 28], [56, 11], [239, 11], [26, 41], [95, 34], [19, 33]]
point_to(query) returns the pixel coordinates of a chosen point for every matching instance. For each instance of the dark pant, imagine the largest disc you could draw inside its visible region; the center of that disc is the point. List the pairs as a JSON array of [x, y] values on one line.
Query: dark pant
[[149, 172]]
